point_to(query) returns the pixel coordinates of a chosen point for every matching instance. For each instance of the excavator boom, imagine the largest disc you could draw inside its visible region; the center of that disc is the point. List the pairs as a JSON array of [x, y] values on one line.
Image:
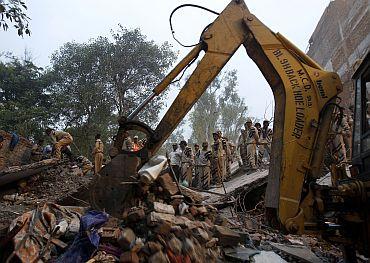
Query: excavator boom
[[304, 101]]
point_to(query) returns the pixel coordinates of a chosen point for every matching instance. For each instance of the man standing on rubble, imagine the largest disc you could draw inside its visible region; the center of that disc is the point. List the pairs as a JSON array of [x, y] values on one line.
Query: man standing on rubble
[[175, 159], [186, 163], [340, 130], [242, 146], [252, 140], [127, 142], [265, 140], [226, 157], [196, 180], [203, 167], [217, 163], [98, 153], [60, 139]]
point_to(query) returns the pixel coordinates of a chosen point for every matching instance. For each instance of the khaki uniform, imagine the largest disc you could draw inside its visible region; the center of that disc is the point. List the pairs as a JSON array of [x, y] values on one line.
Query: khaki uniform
[[202, 169], [187, 165], [265, 140], [340, 129], [217, 163], [60, 139], [251, 142], [242, 140], [226, 159], [98, 154]]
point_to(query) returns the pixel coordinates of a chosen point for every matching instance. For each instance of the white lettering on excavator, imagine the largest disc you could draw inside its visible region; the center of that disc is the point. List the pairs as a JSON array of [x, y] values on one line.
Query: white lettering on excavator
[[299, 99]]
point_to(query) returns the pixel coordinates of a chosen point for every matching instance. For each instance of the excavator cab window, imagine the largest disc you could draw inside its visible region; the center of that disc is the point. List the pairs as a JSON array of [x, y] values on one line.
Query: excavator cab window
[[361, 133]]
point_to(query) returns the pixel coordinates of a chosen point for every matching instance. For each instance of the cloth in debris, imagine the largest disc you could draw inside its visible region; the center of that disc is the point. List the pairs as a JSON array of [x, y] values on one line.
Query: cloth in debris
[[42, 224], [13, 141], [87, 240]]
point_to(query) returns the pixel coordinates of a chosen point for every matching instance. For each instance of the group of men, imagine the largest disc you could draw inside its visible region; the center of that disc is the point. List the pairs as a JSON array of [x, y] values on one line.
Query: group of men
[[254, 143], [203, 166]]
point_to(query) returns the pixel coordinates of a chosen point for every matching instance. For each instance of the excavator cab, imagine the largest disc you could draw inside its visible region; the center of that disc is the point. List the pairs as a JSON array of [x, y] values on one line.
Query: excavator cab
[[361, 127]]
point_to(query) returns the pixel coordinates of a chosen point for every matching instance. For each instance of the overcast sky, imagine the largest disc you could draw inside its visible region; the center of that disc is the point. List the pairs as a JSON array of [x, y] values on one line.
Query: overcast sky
[[56, 22]]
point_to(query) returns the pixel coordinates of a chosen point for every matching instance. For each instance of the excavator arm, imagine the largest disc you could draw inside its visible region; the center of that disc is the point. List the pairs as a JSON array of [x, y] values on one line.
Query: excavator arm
[[304, 100]]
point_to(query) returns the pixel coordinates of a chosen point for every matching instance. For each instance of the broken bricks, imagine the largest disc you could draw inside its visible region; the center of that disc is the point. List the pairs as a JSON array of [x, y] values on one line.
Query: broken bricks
[[226, 236]]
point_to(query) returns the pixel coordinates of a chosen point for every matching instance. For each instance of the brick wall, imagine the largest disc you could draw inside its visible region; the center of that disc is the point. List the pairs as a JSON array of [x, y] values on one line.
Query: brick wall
[[341, 39], [21, 153]]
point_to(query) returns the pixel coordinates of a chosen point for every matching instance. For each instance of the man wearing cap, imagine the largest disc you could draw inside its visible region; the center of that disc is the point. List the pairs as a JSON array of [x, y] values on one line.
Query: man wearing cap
[[98, 153], [175, 159], [217, 164], [60, 139], [252, 140], [186, 163], [264, 141]]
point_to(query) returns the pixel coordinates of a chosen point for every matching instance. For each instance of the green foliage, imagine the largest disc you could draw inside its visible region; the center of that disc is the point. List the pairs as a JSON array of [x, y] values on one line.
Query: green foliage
[[13, 11], [219, 108], [98, 81], [24, 102]]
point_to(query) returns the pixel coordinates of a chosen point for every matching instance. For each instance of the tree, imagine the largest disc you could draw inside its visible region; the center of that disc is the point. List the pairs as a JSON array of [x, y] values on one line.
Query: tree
[[24, 102], [13, 11], [232, 107], [219, 108], [98, 81]]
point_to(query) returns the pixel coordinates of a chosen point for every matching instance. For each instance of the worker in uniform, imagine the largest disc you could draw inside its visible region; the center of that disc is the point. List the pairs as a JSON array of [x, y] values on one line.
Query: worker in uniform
[[242, 146], [265, 139], [340, 130], [252, 140], [196, 179], [60, 139], [175, 160], [259, 129], [226, 158], [98, 153], [217, 163], [37, 151], [127, 142], [186, 163], [205, 163]]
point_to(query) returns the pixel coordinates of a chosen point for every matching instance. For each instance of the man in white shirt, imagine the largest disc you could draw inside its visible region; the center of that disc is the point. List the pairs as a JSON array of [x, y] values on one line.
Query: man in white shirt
[[175, 159]]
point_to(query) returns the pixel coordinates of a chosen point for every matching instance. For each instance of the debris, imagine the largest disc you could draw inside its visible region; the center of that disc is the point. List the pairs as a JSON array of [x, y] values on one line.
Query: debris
[[163, 208], [240, 253], [16, 173], [300, 252], [226, 236], [267, 257], [126, 238], [150, 171], [168, 184]]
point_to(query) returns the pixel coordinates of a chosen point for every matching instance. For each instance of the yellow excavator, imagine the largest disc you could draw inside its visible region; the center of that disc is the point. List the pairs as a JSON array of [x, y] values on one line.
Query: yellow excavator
[[305, 99]]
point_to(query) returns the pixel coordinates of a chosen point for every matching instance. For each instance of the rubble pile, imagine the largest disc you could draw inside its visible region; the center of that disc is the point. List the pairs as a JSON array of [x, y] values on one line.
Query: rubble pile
[[54, 184], [168, 224]]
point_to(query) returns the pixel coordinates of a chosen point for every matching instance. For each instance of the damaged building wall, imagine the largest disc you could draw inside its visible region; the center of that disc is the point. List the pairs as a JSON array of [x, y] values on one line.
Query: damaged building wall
[[341, 39]]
